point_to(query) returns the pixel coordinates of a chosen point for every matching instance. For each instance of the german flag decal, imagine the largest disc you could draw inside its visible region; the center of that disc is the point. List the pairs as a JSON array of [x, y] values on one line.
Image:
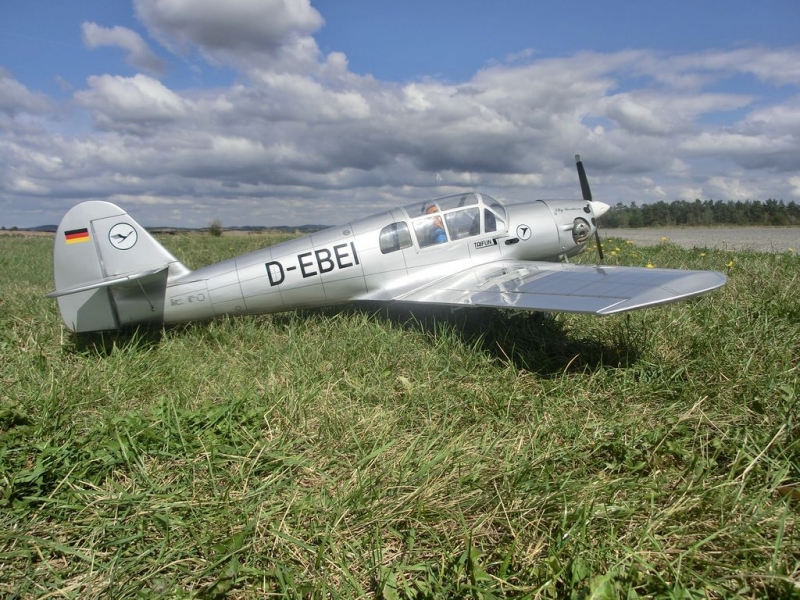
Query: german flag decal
[[76, 236]]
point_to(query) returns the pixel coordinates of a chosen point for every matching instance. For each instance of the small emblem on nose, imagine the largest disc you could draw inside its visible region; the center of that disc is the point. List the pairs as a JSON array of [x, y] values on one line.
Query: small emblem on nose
[[523, 232]]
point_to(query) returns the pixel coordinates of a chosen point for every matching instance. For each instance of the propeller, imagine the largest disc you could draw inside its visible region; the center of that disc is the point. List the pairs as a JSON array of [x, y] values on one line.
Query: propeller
[[587, 195]]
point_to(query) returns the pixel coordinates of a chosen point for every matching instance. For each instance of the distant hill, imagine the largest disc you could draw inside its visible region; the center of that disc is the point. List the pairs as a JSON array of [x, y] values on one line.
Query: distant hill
[[38, 228]]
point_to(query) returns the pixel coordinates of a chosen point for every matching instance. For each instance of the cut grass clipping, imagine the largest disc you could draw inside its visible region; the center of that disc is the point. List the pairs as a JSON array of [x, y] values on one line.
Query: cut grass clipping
[[351, 453]]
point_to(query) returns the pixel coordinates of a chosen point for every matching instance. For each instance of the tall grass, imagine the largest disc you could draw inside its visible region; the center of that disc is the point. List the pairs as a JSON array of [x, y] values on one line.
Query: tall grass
[[356, 452]]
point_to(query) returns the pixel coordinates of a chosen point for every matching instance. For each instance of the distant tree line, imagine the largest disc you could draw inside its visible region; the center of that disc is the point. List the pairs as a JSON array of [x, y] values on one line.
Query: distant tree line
[[703, 213]]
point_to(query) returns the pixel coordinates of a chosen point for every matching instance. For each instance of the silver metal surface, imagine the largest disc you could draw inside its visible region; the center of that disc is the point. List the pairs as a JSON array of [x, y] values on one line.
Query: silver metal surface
[[462, 250]]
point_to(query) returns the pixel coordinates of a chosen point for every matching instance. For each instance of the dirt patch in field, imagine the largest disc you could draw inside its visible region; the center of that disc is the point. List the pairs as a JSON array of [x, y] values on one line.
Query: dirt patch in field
[[759, 239]]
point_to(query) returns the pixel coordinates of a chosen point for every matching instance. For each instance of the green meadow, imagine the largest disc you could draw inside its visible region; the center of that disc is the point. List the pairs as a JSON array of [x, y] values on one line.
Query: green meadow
[[363, 452]]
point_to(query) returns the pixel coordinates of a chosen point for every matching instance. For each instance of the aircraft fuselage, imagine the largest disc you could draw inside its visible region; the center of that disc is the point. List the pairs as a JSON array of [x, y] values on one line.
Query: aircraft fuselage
[[377, 258]]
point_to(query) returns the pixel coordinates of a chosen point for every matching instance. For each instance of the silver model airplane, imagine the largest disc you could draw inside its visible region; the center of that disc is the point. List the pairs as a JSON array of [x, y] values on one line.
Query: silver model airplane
[[465, 249]]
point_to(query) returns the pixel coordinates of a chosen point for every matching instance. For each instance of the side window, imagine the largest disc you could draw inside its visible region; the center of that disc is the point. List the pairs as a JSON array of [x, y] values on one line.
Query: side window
[[494, 216], [489, 220], [430, 230], [463, 223], [395, 237]]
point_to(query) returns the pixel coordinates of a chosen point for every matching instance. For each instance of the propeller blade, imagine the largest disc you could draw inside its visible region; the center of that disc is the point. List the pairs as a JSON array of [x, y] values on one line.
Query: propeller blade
[[587, 195], [585, 190], [599, 245]]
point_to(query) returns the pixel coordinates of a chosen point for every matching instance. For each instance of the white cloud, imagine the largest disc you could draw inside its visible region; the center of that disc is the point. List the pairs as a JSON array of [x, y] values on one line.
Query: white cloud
[[795, 183], [690, 193], [127, 101], [26, 186], [730, 189], [297, 127], [241, 32], [654, 112], [692, 71], [783, 117], [139, 54], [15, 98], [775, 66], [678, 168], [723, 142]]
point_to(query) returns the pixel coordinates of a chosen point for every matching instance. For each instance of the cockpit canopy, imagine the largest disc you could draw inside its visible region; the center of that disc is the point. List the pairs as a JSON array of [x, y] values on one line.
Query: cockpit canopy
[[445, 220]]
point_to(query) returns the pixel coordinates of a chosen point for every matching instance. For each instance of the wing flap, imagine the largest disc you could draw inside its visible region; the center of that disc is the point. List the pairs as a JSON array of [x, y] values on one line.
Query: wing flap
[[561, 287]]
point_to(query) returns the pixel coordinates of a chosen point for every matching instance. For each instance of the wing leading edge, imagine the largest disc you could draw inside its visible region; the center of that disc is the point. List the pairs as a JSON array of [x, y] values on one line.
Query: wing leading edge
[[544, 286]]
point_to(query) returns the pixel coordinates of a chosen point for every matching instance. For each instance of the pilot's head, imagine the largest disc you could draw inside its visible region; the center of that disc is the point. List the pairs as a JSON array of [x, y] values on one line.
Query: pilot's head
[[432, 209]]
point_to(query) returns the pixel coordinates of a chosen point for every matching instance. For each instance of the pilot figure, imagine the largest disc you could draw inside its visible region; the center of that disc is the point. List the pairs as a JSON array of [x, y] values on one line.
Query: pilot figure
[[437, 234]]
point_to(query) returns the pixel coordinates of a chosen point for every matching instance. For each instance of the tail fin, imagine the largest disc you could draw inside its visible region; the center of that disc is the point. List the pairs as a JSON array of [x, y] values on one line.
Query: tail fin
[[109, 271]]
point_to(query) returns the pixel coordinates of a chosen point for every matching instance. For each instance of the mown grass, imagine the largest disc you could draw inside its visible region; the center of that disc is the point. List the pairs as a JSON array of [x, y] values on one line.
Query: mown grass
[[349, 453]]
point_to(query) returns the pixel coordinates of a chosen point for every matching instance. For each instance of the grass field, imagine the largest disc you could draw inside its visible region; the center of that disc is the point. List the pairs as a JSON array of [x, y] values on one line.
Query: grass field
[[343, 453]]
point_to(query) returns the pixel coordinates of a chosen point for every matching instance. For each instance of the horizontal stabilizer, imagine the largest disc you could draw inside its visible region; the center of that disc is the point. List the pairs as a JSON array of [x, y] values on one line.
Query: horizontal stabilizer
[[106, 282]]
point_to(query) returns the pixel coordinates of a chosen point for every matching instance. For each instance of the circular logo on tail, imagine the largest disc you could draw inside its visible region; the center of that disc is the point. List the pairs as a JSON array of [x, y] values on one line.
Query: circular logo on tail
[[523, 232], [123, 236]]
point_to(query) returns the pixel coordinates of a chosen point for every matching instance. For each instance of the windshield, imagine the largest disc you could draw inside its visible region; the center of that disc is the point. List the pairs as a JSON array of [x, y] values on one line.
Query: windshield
[[455, 217]]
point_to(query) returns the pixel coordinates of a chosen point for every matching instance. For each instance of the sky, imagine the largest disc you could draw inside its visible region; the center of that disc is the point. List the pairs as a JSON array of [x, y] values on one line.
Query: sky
[[289, 112]]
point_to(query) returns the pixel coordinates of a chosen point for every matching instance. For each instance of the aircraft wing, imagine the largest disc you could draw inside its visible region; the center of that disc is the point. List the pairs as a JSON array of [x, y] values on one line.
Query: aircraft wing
[[561, 287]]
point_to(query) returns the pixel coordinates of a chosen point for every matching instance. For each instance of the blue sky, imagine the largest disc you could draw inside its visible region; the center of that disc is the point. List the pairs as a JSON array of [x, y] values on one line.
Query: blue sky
[[286, 112]]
